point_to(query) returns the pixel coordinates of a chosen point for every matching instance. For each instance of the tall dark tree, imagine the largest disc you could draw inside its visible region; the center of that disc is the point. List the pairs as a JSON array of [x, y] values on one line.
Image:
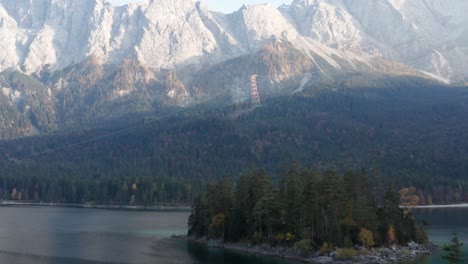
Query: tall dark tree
[[199, 219], [290, 193], [310, 204], [241, 208], [332, 195]]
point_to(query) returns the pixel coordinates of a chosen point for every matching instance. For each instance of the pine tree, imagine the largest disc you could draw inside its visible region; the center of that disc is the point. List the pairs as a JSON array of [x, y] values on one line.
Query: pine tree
[[454, 254], [199, 218], [331, 201], [290, 197], [310, 203]]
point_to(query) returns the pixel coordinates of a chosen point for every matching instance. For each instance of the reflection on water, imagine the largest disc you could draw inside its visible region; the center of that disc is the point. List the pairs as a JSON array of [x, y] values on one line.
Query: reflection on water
[[216, 256], [81, 236]]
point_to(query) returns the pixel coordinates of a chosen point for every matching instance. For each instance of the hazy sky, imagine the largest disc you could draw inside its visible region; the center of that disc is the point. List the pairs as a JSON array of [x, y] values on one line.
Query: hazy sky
[[225, 6]]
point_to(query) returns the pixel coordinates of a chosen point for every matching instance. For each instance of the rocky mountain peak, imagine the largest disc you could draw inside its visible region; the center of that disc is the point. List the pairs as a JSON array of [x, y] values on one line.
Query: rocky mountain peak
[[427, 35], [82, 60]]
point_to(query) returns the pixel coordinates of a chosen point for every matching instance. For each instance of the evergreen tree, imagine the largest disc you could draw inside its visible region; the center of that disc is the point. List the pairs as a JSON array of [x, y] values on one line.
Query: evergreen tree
[[290, 199], [310, 204], [331, 206], [240, 211], [333, 210], [199, 219], [266, 213], [454, 254]]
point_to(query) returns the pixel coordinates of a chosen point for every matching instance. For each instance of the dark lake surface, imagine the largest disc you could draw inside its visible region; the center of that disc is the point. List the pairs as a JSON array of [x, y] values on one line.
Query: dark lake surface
[[444, 221], [87, 236]]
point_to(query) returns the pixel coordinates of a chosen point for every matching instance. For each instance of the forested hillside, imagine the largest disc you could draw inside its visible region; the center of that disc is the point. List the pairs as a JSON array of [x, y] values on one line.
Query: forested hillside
[[411, 132]]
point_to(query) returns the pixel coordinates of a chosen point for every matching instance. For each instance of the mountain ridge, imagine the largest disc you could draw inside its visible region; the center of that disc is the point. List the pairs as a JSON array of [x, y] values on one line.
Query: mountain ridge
[[68, 63], [170, 34]]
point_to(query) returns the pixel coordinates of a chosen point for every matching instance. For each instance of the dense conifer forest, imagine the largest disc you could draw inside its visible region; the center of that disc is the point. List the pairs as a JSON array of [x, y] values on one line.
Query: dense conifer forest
[[306, 209], [411, 133], [71, 189]]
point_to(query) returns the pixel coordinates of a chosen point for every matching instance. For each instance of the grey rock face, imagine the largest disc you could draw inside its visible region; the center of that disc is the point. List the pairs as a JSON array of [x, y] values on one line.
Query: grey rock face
[[426, 35]]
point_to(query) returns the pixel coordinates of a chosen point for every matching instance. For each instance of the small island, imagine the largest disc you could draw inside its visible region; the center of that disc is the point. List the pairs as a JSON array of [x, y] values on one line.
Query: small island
[[310, 216]]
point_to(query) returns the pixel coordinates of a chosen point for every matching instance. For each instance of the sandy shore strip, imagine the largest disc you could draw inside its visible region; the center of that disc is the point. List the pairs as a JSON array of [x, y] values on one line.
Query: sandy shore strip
[[464, 205], [98, 206]]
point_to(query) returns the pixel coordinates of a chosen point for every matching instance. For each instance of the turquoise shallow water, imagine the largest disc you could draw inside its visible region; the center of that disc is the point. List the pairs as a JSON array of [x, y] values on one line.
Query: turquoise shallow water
[[67, 235], [87, 236], [82, 236]]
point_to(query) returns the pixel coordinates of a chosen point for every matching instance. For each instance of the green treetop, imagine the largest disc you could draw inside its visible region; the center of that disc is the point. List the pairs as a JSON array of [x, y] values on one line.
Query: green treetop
[[454, 254]]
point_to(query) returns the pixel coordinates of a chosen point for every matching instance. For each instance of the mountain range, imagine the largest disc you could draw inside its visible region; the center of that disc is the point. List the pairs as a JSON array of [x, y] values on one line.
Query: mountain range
[[70, 62], [427, 35]]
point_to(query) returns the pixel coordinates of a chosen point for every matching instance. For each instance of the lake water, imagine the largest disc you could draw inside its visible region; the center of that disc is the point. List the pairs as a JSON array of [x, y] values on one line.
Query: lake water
[[444, 221], [87, 236], [82, 236]]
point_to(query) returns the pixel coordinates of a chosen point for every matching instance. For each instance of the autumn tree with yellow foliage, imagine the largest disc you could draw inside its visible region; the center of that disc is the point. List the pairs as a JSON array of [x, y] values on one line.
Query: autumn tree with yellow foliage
[[366, 237], [409, 197]]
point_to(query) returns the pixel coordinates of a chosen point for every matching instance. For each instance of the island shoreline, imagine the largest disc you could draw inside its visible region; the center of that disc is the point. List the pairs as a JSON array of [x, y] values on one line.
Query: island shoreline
[[381, 255]]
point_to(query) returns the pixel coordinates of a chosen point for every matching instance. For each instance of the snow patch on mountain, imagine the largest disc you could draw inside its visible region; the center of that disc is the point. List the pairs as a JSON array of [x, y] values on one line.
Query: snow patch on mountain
[[437, 77], [304, 81]]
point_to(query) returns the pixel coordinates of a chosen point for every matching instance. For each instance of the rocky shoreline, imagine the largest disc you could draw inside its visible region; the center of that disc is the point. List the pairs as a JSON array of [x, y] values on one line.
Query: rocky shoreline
[[381, 255]]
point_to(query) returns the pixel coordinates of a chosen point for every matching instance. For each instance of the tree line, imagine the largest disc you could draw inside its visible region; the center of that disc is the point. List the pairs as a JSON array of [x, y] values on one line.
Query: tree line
[[415, 135], [147, 190], [307, 209]]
